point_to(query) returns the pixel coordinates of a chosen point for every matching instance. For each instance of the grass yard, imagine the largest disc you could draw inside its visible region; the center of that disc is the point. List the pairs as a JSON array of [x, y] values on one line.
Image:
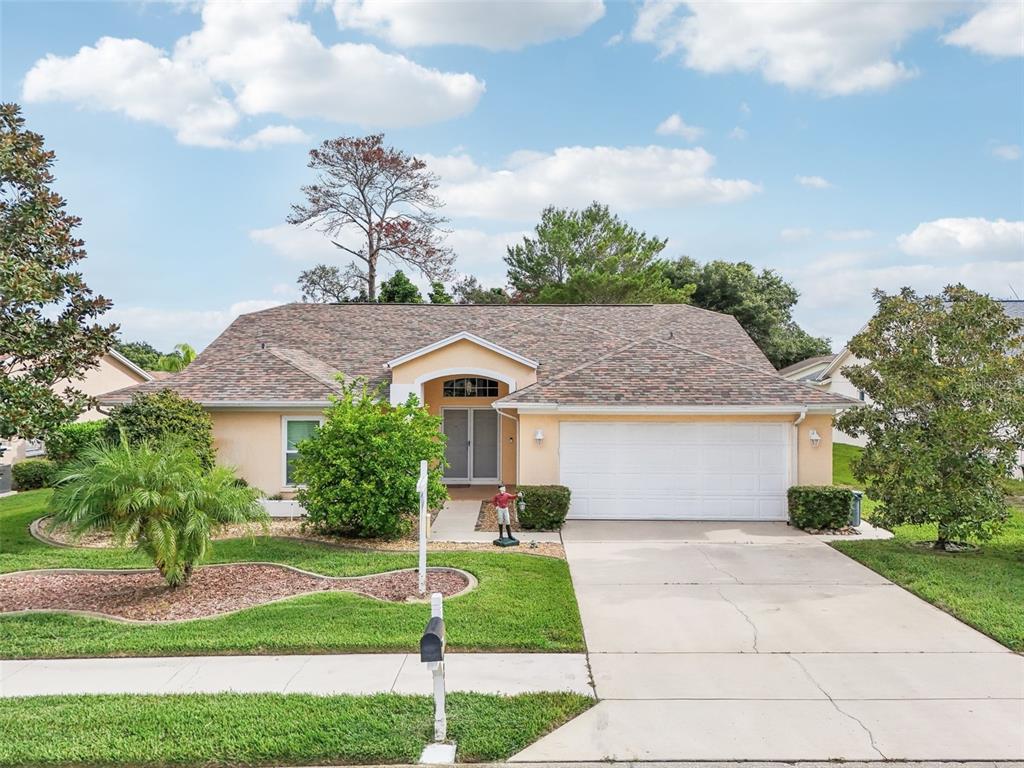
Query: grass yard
[[984, 588], [269, 729], [523, 603]]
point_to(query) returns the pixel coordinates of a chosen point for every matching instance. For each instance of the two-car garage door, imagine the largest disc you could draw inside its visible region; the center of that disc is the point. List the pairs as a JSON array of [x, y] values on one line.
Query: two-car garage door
[[676, 470]]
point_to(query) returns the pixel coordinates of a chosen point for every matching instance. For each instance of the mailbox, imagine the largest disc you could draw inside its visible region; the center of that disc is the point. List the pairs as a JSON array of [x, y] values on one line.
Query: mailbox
[[432, 642]]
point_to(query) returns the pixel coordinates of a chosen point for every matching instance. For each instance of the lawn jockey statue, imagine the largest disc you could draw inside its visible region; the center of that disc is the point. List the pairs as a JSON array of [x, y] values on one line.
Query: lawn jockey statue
[[503, 502]]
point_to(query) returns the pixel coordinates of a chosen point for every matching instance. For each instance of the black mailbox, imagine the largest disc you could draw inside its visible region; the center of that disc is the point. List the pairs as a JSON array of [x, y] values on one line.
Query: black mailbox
[[432, 642]]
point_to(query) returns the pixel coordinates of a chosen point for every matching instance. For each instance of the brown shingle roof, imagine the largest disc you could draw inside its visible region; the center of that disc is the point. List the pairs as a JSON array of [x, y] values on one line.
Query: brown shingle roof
[[290, 353]]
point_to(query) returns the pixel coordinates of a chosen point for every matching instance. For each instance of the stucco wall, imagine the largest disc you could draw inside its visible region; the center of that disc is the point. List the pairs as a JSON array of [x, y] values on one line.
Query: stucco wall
[[252, 442], [538, 463], [435, 401], [841, 385], [108, 375], [463, 355]]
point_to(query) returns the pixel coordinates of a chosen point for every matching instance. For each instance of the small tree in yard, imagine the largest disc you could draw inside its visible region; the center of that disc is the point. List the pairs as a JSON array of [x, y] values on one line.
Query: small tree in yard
[[946, 377], [155, 496], [158, 416], [48, 316], [358, 471]]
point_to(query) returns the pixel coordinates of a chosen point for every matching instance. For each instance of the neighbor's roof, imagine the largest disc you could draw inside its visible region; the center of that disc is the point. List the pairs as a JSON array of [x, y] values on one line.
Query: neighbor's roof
[[673, 353], [810, 362]]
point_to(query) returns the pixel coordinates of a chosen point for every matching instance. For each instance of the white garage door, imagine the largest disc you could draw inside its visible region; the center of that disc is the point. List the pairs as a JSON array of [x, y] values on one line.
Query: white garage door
[[675, 471]]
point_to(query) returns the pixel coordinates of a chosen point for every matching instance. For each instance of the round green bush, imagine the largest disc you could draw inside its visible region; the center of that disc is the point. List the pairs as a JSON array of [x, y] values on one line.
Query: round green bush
[[545, 507], [30, 474], [819, 507], [157, 417], [66, 443]]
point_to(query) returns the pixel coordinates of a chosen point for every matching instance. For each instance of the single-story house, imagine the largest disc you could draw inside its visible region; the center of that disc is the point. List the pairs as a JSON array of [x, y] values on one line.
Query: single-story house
[[644, 411], [114, 371]]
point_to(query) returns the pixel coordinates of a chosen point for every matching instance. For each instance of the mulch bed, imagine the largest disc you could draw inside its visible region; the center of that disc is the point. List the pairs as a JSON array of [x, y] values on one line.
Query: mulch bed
[[213, 590]]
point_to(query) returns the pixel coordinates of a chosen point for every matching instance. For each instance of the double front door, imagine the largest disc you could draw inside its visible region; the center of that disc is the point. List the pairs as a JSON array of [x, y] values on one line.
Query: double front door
[[472, 449]]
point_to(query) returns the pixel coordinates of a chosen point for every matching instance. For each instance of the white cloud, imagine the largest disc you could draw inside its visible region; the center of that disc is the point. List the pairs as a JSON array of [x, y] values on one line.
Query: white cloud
[[744, 110], [297, 243], [482, 254], [497, 25], [849, 234], [839, 47], [1007, 151], [795, 234], [999, 239], [615, 39], [247, 60], [274, 134], [995, 30], [163, 328], [674, 125], [739, 134], [813, 182], [627, 179]]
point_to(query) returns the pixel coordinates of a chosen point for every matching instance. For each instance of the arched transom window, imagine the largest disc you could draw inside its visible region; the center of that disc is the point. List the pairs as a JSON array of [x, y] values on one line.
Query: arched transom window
[[470, 386]]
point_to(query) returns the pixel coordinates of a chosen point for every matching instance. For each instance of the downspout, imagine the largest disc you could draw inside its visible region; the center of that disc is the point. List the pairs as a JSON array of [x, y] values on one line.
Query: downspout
[[794, 478], [516, 420]]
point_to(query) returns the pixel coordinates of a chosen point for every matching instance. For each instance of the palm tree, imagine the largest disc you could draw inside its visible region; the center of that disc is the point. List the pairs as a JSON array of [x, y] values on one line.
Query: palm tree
[[156, 497]]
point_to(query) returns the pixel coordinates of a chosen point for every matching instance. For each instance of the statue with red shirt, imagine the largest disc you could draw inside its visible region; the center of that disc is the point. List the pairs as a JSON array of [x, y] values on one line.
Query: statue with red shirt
[[502, 502]]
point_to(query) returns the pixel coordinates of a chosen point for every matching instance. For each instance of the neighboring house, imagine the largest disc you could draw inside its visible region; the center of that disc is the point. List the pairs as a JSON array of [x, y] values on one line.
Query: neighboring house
[[644, 411], [826, 373], [113, 371]]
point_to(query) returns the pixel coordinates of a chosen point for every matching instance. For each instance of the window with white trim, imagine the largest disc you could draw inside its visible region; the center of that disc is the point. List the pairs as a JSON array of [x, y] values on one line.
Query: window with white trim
[[295, 431], [470, 386]]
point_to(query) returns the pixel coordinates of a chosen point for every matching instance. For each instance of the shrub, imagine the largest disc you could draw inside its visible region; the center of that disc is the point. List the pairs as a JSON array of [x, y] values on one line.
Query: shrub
[[819, 507], [155, 496], [546, 507], [358, 471], [66, 442], [30, 474], [155, 417]]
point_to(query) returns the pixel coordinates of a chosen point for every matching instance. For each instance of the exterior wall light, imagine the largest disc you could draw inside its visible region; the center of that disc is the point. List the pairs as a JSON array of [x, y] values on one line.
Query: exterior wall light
[[539, 436], [815, 438]]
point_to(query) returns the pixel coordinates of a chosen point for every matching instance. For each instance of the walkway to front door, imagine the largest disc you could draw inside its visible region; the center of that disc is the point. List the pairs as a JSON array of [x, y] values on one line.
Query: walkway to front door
[[473, 449]]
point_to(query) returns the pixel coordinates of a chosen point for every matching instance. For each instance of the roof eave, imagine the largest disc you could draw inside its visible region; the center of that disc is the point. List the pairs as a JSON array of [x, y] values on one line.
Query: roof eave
[[463, 336], [681, 410]]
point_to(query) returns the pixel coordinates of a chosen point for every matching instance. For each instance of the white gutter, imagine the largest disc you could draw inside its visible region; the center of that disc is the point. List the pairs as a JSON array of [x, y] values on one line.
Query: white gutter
[[794, 451], [654, 410]]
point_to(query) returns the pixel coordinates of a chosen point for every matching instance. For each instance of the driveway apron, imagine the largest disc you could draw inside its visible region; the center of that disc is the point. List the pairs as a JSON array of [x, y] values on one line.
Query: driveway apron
[[753, 641]]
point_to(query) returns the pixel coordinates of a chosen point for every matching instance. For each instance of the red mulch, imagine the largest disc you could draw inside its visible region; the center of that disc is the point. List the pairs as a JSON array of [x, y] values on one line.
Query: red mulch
[[212, 590]]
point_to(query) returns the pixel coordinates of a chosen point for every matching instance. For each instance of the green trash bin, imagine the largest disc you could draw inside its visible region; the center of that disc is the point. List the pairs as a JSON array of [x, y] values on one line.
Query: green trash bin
[[855, 508]]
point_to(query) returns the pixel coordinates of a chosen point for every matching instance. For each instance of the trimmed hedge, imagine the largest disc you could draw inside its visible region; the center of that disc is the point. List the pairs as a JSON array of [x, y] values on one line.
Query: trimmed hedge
[[158, 416], [546, 507], [66, 442], [819, 507], [30, 474]]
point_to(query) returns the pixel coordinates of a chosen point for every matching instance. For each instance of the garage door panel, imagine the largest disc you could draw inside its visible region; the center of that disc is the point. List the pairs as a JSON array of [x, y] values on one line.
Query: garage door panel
[[665, 470]]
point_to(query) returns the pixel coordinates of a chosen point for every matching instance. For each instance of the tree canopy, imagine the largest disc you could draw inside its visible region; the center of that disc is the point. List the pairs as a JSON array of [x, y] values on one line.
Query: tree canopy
[[399, 289], [149, 358], [945, 377], [468, 290], [439, 294], [762, 302], [589, 257], [381, 197], [49, 318]]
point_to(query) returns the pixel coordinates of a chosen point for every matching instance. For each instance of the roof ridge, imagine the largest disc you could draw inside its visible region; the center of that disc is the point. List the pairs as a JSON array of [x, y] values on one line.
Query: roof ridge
[[278, 353], [587, 364]]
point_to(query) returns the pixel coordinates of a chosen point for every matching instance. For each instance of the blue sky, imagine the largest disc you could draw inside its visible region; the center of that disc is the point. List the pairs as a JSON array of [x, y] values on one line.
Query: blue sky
[[849, 145]]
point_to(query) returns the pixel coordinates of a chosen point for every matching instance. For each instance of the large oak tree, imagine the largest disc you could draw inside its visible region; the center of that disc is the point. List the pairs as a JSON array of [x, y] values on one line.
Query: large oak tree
[[387, 197], [49, 334]]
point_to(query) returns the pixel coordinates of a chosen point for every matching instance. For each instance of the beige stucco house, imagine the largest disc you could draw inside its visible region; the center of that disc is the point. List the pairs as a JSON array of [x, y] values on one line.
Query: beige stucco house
[[826, 373], [644, 411], [114, 371]]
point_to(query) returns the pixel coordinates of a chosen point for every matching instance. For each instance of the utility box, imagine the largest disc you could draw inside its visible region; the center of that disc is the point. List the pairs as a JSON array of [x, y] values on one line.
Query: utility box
[[855, 508], [5, 478]]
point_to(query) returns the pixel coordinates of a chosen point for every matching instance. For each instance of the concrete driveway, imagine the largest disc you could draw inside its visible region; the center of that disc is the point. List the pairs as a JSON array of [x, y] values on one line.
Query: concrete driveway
[[758, 642]]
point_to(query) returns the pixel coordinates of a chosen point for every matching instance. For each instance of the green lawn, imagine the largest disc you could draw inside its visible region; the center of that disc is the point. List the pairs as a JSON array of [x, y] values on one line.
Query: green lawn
[[523, 603], [984, 588], [268, 729]]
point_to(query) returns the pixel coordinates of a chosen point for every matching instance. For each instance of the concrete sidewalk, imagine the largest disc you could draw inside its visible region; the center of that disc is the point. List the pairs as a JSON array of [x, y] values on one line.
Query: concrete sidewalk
[[501, 673], [457, 522]]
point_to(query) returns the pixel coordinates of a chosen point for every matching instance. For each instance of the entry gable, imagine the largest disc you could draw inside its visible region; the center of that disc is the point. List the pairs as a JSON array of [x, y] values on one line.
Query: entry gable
[[463, 336]]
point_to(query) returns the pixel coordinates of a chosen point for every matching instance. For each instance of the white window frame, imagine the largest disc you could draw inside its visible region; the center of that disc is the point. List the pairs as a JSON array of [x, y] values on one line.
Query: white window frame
[[284, 445]]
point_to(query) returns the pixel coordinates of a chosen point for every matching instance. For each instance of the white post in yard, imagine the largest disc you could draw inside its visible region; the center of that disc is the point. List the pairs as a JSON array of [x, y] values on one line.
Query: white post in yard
[[421, 488]]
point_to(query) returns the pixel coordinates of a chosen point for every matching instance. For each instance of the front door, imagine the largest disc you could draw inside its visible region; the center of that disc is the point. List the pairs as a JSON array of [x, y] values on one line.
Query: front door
[[472, 447]]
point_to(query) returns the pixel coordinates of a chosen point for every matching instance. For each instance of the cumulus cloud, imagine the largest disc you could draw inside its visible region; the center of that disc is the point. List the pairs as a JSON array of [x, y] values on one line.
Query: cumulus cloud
[[482, 254], [297, 243], [674, 125], [835, 48], [999, 239], [166, 327], [995, 30], [274, 134], [626, 178], [496, 25], [849, 234], [738, 133], [250, 60], [1007, 151], [813, 182]]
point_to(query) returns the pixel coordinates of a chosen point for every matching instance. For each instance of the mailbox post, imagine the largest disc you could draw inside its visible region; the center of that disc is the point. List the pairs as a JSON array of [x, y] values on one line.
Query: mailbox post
[[432, 654]]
